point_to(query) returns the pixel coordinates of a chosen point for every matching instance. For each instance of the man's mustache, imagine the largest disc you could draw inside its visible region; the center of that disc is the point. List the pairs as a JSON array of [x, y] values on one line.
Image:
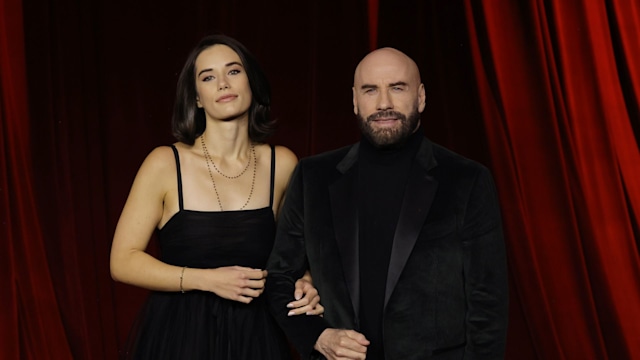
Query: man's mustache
[[386, 114]]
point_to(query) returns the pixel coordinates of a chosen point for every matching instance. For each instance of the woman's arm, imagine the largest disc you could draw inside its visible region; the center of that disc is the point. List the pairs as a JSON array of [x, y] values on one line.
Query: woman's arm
[[286, 161], [140, 216]]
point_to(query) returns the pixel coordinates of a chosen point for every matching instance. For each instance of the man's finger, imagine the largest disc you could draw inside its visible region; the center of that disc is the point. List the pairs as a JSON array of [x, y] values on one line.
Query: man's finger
[[358, 337]]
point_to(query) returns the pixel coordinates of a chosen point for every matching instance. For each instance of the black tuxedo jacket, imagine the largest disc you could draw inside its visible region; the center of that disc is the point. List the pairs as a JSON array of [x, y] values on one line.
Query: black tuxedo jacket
[[446, 291]]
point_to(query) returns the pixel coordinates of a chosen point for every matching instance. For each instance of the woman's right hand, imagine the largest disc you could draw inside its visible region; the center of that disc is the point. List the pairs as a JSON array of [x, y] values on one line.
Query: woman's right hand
[[236, 283]]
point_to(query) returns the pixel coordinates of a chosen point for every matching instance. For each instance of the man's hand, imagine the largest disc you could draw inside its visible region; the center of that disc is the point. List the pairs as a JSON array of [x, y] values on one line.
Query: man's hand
[[339, 344]]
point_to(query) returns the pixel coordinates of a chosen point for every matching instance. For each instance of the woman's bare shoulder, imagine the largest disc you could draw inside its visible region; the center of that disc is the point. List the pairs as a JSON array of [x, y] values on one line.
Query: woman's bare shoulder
[[160, 159], [285, 157], [160, 164]]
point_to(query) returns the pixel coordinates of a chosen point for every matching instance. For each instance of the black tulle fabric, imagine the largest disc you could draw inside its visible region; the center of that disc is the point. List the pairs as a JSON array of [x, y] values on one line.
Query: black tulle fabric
[[201, 325]]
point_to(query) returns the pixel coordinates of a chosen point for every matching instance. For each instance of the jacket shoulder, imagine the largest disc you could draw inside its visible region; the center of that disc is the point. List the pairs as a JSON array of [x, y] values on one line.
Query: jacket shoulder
[[328, 158], [450, 161]]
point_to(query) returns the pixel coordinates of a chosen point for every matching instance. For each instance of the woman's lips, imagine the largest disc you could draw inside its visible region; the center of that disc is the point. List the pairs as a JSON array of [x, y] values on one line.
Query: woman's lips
[[226, 98]]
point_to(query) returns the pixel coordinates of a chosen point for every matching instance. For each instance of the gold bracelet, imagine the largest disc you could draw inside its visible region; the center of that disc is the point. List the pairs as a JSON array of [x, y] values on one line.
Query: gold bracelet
[[181, 276]]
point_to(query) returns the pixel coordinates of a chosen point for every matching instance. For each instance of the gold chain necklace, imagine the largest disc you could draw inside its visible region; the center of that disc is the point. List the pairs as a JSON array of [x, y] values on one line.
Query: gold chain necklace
[[220, 172], [208, 159]]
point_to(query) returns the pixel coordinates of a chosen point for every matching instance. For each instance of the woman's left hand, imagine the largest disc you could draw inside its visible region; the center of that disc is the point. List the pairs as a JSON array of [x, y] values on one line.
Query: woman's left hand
[[307, 298]]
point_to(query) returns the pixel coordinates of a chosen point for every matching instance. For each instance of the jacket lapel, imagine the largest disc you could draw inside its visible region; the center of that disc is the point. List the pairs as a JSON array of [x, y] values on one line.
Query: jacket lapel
[[344, 210], [418, 196]]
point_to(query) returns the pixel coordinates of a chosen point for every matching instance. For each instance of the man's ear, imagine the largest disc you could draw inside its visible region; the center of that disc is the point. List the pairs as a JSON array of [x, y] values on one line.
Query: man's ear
[[355, 102], [422, 98]]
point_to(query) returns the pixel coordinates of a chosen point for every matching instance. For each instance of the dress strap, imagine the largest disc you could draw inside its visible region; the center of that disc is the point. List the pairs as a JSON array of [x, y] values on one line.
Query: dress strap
[[273, 173], [180, 201]]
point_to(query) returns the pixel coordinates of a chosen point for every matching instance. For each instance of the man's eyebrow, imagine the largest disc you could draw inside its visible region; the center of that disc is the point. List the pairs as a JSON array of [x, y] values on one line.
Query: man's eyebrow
[[399, 83], [226, 65], [368, 86]]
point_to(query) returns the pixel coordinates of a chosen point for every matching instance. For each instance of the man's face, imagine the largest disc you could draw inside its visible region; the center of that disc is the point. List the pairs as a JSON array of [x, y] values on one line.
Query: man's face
[[387, 97]]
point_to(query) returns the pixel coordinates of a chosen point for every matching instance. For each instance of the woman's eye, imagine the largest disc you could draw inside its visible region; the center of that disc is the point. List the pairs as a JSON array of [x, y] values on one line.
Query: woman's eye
[[207, 78], [234, 72]]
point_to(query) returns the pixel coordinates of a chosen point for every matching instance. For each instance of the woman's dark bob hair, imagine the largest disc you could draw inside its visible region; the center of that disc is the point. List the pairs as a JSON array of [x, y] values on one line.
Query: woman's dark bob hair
[[188, 120]]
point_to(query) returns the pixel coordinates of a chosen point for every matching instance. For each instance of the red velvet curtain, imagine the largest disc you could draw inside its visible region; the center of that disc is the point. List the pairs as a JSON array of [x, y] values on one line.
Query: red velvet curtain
[[559, 90], [32, 326], [546, 93]]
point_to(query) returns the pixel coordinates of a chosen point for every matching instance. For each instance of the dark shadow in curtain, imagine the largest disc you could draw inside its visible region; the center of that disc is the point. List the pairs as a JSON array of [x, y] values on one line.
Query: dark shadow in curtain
[[30, 322]]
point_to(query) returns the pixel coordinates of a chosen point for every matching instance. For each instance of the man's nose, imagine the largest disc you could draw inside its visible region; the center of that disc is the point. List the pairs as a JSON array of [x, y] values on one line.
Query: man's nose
[[384, 101]]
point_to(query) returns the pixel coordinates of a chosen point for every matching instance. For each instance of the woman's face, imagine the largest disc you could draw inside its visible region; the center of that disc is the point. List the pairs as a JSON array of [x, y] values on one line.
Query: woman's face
[[222, 84]]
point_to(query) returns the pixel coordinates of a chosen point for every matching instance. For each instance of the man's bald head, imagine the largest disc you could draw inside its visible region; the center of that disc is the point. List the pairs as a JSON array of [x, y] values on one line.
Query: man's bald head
[[388, 97], [386, 59]]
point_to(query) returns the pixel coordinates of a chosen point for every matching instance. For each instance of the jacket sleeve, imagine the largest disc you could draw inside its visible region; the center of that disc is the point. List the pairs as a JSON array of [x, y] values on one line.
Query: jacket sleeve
[[485, 271], [288, 263]]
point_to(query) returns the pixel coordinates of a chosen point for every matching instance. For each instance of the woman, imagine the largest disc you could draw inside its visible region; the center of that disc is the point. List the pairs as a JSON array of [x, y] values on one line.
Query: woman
[[212, 196]]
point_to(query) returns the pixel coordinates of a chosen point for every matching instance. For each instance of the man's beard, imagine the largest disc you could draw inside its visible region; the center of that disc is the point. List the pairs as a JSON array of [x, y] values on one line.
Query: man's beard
[[389, 137]]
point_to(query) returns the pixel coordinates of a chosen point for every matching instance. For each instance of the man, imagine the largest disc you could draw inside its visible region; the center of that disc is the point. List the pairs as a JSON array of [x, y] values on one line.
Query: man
[[403, 238]]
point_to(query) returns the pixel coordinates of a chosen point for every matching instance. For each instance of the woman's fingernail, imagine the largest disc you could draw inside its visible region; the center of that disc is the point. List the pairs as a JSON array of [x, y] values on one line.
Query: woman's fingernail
[[291, 313]]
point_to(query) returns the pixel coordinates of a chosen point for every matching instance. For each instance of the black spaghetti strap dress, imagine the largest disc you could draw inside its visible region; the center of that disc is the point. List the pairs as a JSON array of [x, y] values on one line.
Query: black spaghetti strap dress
[[201, 325]]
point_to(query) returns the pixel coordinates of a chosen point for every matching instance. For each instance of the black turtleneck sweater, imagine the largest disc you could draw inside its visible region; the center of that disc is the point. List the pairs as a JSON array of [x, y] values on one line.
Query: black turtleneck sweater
[[382, 177]]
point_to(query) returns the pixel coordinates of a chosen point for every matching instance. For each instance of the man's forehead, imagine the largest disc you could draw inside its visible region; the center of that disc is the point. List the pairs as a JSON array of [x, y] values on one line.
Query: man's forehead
[[384, 74], [387, 66]]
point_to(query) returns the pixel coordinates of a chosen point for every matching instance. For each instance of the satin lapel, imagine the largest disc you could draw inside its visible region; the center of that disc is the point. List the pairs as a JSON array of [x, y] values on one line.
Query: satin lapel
[[344, 210], [418, 196]]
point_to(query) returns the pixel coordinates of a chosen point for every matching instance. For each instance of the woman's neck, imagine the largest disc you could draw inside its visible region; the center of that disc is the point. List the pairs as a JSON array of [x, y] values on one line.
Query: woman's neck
[[227, 139]]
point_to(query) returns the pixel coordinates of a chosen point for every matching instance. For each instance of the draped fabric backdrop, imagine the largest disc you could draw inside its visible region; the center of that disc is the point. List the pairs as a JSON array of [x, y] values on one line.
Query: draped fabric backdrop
[[558, 85], [545, 93]]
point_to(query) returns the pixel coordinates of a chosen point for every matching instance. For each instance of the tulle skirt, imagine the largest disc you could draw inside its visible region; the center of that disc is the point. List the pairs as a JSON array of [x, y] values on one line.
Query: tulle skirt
[[200, 325]]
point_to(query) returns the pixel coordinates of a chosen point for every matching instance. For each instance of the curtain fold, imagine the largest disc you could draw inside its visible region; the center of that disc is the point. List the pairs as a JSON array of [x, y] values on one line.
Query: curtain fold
[[566, 163], [372, 12], [31, 323]]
